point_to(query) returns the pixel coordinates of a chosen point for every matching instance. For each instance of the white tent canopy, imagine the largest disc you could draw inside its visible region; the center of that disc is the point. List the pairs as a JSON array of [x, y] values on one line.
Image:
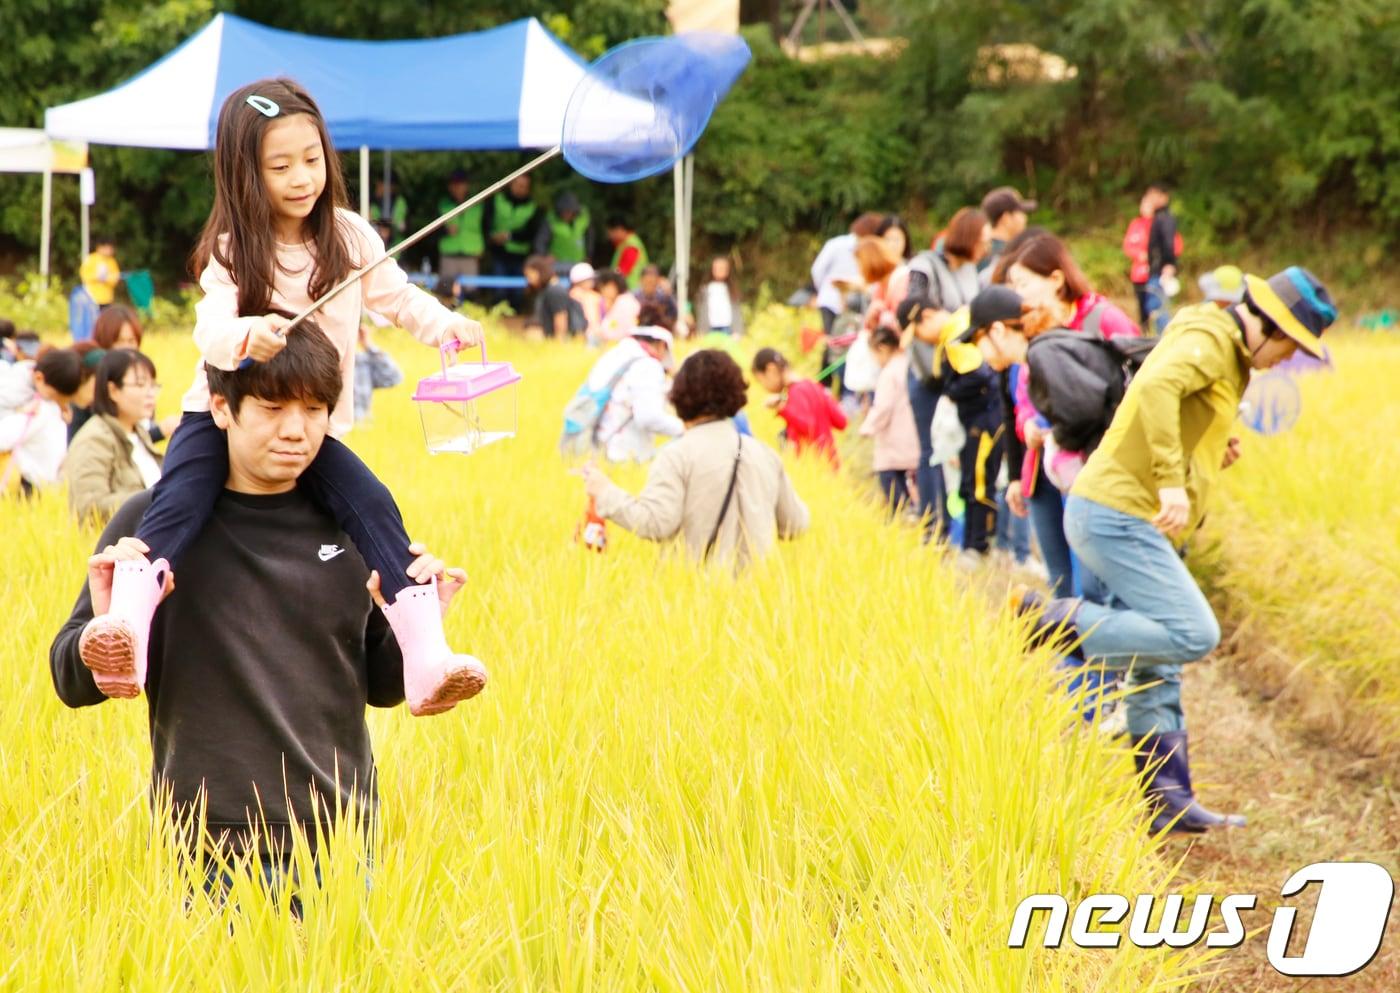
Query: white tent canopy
[[31, 150]]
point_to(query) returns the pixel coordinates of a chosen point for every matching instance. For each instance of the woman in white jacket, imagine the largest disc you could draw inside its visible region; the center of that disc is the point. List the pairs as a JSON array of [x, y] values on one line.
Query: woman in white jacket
[[638, 408]]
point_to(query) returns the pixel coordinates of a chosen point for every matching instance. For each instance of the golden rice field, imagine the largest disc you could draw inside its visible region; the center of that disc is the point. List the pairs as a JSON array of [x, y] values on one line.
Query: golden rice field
[[1307, 548], [838, 772]]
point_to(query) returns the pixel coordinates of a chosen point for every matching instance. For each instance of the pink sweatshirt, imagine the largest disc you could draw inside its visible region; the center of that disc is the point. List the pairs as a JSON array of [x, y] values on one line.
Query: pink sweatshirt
[[221, 333], [891, 419], [1114, 324]]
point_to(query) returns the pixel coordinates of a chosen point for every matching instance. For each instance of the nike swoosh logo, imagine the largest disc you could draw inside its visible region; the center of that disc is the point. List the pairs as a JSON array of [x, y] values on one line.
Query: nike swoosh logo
[[329, 552]]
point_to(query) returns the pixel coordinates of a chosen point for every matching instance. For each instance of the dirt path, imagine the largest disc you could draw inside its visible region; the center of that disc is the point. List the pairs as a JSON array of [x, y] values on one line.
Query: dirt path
[[1306, 801]]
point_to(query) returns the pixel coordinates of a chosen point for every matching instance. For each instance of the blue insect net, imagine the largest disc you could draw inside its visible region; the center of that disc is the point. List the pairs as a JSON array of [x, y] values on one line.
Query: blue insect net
[[643, 105], [1272, 403]]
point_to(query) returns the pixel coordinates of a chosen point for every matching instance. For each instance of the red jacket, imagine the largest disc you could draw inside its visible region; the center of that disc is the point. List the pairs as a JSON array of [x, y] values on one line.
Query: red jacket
[[1135, 248], [1135, 241], [810, 414]]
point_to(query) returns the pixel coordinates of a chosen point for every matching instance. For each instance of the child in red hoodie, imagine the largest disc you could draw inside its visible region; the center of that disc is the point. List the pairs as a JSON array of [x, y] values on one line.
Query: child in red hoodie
[[808, 410]]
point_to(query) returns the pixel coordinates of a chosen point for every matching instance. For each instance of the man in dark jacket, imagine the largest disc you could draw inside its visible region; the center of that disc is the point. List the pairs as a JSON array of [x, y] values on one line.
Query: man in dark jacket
[[1163, 246], [262, 663]]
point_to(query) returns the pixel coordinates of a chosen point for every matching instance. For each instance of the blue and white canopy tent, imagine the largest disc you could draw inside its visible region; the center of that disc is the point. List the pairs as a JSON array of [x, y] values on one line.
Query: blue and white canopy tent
[[498, 89], [504, 88]]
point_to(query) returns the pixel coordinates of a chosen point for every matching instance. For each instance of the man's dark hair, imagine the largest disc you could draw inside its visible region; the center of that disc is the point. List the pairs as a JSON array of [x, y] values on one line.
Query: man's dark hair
[[111, 371], [766, 357], [708, 384], [98, 240], [1161, 186], [308, 369], [617, 221], [62, 369]]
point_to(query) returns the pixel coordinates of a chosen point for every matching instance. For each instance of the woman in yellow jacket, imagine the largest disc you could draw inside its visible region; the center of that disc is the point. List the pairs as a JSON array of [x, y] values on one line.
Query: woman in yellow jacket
[[1146, 487]]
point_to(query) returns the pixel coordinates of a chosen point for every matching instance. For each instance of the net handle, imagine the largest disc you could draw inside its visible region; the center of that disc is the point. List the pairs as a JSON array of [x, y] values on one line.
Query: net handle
[[419, 235]]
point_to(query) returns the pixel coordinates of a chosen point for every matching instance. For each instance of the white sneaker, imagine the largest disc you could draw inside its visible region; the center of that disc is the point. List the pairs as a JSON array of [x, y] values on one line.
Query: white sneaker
[[1115, 722], [970, 560], [1035, 569]]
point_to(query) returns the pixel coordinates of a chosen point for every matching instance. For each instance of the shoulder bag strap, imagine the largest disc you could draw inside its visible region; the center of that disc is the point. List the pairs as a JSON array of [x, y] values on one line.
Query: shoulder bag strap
[[728, 496]]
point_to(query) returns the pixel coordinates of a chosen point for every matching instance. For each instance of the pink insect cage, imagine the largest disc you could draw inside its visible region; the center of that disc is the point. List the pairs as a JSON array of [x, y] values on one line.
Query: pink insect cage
[[469, 405]]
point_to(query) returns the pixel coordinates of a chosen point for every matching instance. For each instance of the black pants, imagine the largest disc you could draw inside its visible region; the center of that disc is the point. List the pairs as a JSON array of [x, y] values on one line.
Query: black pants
[[504, 264], [980, 462], [894, 486], [196, 469]]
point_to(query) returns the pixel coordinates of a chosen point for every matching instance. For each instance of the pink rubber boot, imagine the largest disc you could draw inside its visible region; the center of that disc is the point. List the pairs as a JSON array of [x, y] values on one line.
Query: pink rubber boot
[[434, 678], [113, 645]]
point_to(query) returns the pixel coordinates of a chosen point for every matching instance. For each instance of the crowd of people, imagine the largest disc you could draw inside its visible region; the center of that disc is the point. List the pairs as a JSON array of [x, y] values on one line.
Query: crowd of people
[[985, 368], [1005, 397]]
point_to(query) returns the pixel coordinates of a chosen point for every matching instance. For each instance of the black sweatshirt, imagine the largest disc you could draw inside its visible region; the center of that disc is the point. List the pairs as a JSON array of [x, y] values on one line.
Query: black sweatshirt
[[260, 663], [1161, 242]]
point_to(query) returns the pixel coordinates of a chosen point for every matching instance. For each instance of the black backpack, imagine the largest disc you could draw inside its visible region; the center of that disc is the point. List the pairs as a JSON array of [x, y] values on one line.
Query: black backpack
[[1078, 379]]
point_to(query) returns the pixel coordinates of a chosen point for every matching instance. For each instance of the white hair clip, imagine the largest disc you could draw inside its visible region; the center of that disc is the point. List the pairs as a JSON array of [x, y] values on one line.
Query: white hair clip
[[263, 105]]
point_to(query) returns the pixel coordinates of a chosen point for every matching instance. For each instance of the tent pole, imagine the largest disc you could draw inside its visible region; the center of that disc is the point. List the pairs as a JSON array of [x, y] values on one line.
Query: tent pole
[[689, 217], [84, 218], [386, 202], [364, 181], [678, 177], [47, 209]]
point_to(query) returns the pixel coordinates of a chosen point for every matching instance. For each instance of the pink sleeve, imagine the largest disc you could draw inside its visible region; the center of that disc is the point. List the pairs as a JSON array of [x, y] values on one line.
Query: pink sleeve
[[387, 290], [882, 410], [1118, 324], [220, 333], [1025, 410]]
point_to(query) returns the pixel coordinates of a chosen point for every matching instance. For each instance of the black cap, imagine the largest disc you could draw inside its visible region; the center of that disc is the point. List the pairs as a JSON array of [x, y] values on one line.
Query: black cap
[[909, 310], [459, 176], [995, 303], [1003, 200]]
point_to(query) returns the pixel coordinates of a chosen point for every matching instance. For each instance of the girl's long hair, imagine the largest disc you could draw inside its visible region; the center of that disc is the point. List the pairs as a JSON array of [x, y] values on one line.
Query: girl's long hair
[[240, 234]]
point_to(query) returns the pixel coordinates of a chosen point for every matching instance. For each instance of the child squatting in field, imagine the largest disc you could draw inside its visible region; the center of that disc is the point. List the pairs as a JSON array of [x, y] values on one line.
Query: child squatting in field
[[257, 709], [276, 240]]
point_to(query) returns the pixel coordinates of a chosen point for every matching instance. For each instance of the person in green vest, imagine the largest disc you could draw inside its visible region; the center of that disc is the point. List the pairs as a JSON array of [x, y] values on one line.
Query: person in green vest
[[512, 222], [566, 234], [398, 208], [629, 254], [464, 242]]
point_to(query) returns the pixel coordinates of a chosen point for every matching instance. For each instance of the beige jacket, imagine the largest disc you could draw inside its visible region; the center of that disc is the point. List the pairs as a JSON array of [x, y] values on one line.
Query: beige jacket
[[100, 472], [686, 487]]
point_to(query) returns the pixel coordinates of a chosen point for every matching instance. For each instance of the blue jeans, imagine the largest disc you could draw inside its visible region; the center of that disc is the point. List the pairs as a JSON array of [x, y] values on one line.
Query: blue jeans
[[933, 492], [1159, 619], [1013, 533], [196, 470], [1068, 577], [1156, 309], [1046, 508]]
